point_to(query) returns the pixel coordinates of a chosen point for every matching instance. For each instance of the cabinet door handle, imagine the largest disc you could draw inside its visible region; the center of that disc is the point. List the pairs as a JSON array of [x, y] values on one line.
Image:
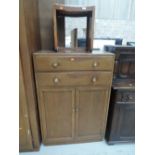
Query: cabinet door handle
[[55, 65], [56, 80], [94, 79]]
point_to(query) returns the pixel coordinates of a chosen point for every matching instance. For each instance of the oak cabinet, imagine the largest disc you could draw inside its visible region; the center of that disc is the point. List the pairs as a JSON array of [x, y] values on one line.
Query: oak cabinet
[[73, 114], [73, 103]]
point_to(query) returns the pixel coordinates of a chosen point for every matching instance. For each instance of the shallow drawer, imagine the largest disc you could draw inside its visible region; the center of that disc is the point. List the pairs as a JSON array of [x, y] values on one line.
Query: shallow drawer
[[74, 78], [125, 96], [51, 62]]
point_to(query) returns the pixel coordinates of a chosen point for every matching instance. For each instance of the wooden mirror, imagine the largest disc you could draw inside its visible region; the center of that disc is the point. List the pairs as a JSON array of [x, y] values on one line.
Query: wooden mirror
[[77, 38]]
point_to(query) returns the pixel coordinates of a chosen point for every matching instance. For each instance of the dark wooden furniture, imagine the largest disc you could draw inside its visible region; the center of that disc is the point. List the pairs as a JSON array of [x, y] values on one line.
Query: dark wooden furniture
[[131, 43], [121, 117], [73, 94], [29, 134], [124, 68], [59, 13]]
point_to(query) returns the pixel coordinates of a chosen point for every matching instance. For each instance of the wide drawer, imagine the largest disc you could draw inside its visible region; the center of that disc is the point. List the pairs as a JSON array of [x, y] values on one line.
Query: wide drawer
[[49, 62], [74, 78]]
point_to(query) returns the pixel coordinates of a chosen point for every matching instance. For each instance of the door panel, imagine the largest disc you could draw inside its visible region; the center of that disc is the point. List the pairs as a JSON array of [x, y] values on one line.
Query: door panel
[[123, 126], [91, 110], [25, 138], [57, 114]]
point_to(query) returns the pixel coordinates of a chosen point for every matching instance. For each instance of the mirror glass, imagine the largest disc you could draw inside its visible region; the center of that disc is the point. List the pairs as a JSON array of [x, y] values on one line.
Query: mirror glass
[[75, 32]]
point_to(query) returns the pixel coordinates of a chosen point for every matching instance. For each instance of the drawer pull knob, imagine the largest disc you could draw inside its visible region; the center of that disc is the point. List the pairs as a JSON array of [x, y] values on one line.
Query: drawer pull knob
[[56, 80], [94, 79], [55, 65], [95, 64], [72, 59]]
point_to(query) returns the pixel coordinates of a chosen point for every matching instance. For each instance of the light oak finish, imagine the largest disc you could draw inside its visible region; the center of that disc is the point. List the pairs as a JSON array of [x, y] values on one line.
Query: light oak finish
[[57, 114], [73, 100], [74, 78], [91, 106], [71, 62]]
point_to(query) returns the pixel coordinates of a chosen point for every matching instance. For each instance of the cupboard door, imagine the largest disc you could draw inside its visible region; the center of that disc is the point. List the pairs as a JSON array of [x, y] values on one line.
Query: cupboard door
[[91, 113], [123, 123], [57, 114], [25, 138]]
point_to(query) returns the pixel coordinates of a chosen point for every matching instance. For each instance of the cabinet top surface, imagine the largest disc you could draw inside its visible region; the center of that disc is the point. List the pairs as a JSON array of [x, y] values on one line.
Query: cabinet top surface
[[71, 53]]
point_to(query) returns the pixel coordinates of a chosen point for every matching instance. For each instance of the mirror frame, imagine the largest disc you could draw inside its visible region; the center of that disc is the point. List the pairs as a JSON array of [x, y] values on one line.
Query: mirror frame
[[61, 11]]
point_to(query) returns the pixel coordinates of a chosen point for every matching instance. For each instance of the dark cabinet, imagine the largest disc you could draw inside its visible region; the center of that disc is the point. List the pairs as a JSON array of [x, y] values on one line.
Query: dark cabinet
[[121, 117], [121, 120]]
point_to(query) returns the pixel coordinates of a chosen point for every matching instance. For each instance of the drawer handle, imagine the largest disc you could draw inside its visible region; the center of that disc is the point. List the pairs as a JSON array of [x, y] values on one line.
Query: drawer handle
[[72, 59], [94, 79], [56, 80], [55, 65], [95, 64]]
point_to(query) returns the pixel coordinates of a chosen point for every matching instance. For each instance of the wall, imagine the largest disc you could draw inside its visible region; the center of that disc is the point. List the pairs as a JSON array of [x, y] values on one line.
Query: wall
[[114, 18], [107, 28], [115, 29]]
